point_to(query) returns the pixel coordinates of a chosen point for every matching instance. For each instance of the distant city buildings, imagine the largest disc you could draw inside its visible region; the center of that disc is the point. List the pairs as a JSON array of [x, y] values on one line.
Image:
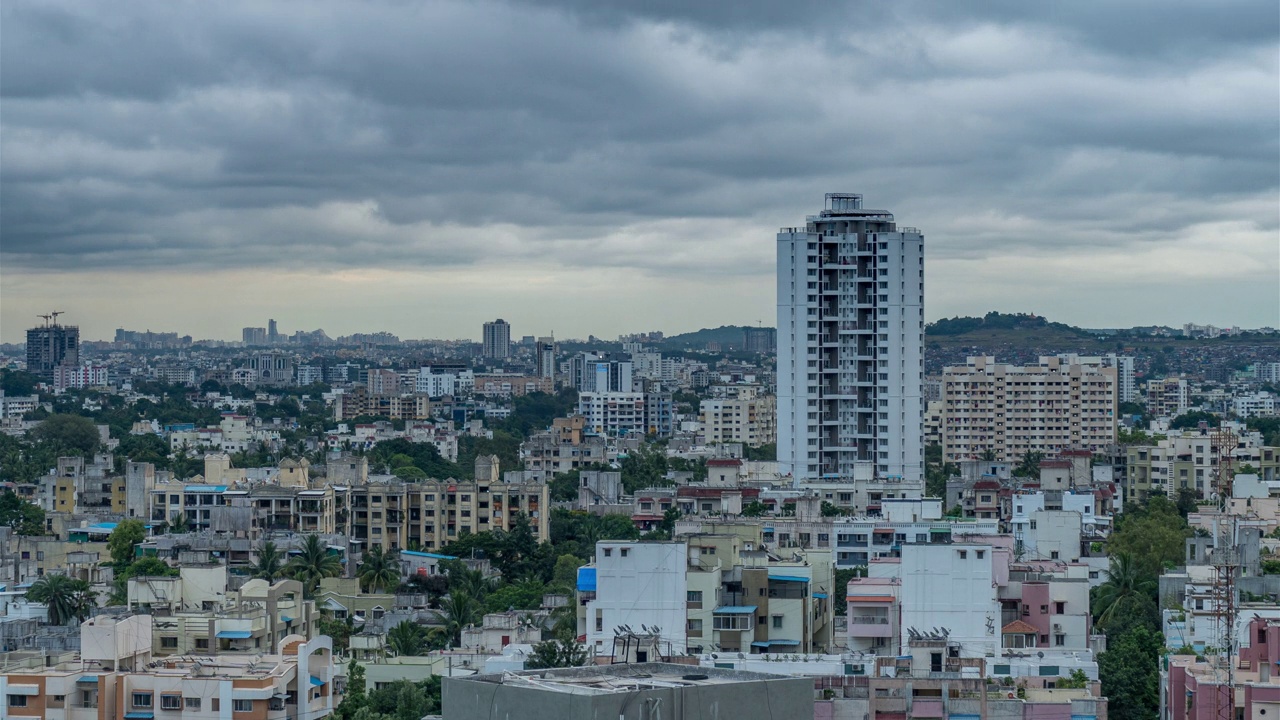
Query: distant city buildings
[[760, 340], [1167, 397], [850, 346], [749, 418]]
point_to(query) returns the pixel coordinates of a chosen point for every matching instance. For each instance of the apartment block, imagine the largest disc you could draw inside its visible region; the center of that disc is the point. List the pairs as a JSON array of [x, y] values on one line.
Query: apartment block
[[79, 376], [497, 339], [565, 447], [50, 346], [430, 514], [1061, 403], [749, 419], [1167, 397]]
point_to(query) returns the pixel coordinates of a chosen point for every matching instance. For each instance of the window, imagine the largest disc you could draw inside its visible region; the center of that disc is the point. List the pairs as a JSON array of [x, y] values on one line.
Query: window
[[693, 596], [1060, 640], [981, 554], [192, 703], [608, 552], [777, 621], [1059, 608], [242, 706], [170, 702], [202, 643], [964, 554], [17, 701], [624, 552], [142, 700], [169, 642]]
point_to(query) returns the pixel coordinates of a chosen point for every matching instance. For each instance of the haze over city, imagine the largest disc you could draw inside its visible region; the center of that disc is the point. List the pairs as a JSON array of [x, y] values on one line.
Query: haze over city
[[419, 168]]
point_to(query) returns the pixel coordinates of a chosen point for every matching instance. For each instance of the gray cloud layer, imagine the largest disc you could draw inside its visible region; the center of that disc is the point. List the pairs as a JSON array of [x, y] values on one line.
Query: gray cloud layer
[[661, 136]]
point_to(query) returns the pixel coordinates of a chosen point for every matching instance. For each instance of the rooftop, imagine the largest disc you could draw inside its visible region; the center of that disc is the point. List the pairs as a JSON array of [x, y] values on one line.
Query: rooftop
[[623, 678]]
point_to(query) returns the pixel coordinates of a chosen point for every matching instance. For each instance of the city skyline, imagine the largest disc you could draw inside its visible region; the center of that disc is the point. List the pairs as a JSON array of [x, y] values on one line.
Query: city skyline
[[359, 162]]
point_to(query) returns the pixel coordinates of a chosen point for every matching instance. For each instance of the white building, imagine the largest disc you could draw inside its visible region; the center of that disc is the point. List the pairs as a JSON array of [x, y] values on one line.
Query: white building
[[613, 413], [850, 345], [638, 584], [954, 587], [1259, 404], [1126, 383], [79, 376]]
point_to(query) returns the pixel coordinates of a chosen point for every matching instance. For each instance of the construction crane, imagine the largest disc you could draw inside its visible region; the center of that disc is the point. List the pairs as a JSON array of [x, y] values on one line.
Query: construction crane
[[51, 320]]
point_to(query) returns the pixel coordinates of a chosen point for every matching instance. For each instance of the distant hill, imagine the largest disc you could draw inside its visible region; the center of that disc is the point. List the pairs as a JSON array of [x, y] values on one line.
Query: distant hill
[[1000, 321], [729, 337]]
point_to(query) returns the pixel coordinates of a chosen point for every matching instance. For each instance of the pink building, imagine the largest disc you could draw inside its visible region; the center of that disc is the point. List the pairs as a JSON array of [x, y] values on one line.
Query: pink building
[[1197, 690]]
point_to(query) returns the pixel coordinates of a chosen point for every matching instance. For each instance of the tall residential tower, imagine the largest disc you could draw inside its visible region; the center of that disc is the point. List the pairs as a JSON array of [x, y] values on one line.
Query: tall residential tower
[[497, 339], [851, 349]]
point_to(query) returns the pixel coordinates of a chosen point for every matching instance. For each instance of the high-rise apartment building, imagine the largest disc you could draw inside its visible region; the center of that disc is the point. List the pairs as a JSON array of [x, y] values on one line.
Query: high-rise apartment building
[[761, 340], [1062, 403], [497, 339], [1126, 382], [51, 346], [1167, 397], [850, 346], [253, 336], [545, 357]]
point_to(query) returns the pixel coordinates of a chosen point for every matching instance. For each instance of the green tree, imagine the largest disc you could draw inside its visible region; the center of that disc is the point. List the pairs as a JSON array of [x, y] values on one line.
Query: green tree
[[379, 570], [755, 508], [270, 563], [524, 595], [565, 575], [1029, 465], [313, 564], [829, 509], [406, 639], [24, 517], [557, 654], [1076, 680], [124, 540], [1154, 535], [1124, 587], [18, 382], [72, 433], [457, 610], [67, 598], [339, 630], [1130, 674], [178, 523], [1192, 420]]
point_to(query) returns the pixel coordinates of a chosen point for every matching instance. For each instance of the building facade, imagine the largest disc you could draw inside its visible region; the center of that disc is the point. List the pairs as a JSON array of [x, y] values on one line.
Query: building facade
[[850, 345], [51, 346], [1059, 404], [497, 339]]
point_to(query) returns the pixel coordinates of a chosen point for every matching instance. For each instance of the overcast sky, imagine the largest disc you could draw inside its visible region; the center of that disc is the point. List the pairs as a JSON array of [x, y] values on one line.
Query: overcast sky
[[421, 167]]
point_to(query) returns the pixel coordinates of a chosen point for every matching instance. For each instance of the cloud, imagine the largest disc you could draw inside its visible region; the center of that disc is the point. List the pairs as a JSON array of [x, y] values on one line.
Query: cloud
[[667, 139]]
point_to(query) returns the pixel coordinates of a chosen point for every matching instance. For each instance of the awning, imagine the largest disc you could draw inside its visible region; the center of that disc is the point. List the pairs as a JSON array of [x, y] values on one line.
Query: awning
[[286, 619], [734, 610], [139, 716], [586, 579], [820, 595], [768, 643], [789, 578], [316, 681], [235, 634], [88, 679]]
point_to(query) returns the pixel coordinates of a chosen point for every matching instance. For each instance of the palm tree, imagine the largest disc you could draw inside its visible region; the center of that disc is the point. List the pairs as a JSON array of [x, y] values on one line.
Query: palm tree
[[406, 639], [178, 523], [471, 582], [1125, 584], [269, 565], [65, 597], [313, 564], [458, 609], [380, 571]]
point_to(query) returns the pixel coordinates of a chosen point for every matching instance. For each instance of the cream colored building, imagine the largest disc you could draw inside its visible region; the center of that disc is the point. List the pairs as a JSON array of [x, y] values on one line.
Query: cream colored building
[[115, 677], [1167, 397], [196, 613], [1059, 404], [433, 513], [750, 419]]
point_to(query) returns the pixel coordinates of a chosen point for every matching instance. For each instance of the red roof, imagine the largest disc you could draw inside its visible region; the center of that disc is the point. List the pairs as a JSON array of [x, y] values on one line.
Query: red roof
[[724, 462], [986, 485], [1018, 627]]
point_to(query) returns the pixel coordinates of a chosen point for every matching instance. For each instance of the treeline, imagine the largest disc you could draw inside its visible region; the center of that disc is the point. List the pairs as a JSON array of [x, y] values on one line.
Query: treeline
[[997, 321]]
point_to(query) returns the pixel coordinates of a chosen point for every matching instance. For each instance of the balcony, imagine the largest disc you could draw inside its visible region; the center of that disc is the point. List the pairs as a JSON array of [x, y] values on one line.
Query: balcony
[[869, 626]]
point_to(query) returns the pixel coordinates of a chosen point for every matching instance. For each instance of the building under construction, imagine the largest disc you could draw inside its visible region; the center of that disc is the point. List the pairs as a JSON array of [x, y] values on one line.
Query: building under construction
[[52, 345]]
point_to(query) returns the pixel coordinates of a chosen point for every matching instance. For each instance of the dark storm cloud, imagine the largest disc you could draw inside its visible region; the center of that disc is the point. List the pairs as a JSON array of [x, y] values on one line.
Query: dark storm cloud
[[652, 135]]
